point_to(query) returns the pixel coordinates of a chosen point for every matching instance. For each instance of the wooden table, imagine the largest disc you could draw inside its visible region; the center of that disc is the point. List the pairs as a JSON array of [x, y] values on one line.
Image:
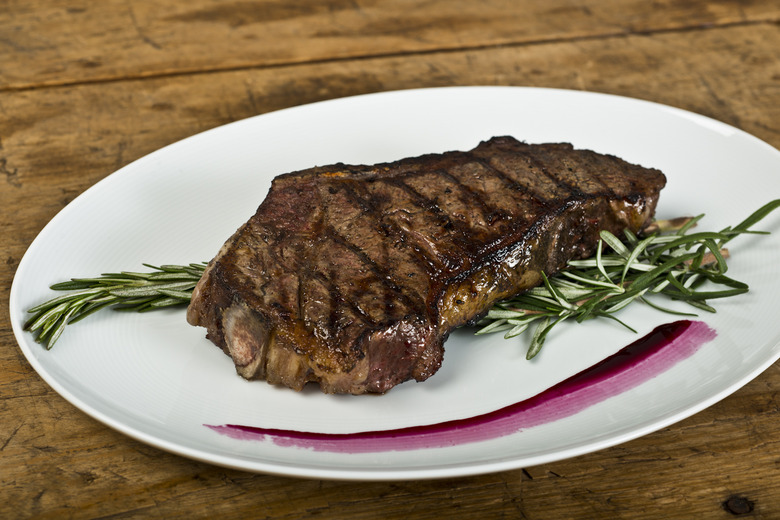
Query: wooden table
[[87, 87]]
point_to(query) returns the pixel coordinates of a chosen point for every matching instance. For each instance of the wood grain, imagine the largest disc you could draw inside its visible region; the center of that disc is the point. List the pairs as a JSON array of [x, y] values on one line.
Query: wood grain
[[59, 42], [64, 126]]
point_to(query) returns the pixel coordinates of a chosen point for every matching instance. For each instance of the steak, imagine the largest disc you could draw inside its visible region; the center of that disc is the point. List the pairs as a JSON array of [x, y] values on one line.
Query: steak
[[353, 276]]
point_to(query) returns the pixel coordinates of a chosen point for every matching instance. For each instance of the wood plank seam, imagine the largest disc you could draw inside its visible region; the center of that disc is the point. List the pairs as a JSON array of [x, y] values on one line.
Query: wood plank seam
[[385, 55]]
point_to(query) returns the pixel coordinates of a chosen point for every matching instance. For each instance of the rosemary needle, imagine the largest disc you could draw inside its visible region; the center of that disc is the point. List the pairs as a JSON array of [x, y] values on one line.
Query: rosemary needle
[[669, 261]]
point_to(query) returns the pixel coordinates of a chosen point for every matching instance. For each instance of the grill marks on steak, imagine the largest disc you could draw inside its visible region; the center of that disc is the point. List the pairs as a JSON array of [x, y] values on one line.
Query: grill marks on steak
[[353, 276]]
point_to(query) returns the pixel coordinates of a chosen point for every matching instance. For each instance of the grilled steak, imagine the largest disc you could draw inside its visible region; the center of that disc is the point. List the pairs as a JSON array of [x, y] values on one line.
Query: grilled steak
[[353, 276]]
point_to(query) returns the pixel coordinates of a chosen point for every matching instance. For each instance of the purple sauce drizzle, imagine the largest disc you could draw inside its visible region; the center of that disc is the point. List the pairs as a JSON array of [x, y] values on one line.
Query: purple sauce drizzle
[[638, 362]]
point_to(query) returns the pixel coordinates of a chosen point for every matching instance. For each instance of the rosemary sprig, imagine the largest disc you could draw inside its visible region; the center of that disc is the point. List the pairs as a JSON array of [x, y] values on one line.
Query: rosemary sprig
[[668, 261], [165, 286]]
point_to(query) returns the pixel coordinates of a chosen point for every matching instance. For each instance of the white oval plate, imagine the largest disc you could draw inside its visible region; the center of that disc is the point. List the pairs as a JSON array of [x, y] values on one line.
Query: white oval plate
[[159, 380]]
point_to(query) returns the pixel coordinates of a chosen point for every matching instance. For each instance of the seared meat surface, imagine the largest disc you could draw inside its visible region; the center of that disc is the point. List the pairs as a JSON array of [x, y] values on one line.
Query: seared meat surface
[[353, 276]]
